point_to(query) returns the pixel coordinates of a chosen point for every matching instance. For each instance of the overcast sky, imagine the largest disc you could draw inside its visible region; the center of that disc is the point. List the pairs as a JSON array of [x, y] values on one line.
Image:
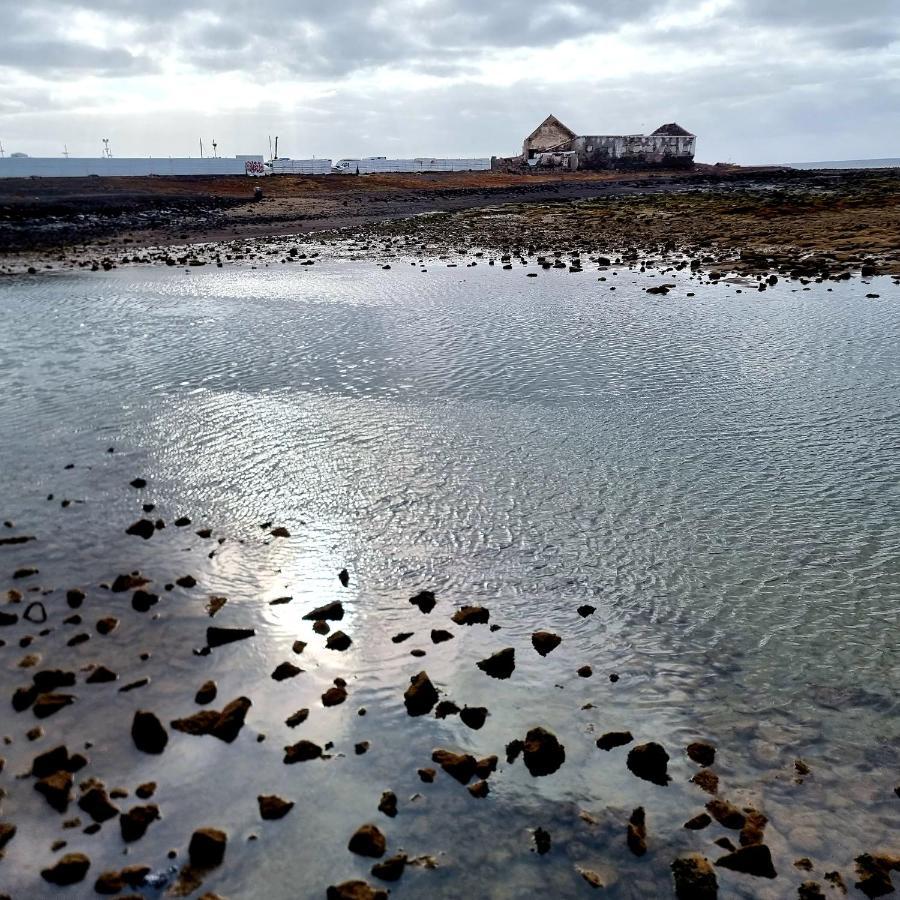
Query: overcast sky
[[756, 80]]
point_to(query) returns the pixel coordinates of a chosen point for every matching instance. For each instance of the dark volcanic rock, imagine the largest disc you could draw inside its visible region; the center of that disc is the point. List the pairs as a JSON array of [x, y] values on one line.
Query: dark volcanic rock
[[225, 725], [147, 732], [810, 890], [545, 641], [701, 753], [216, 637], [55, 760], [142, 601], [56, 789], [753, 860], [439, 636], [297, 718], [474, 716], [446, 708], [7, 833], [113, 882], [51, 679], [143, 528], [586, 610], [403, 636], [471, 615], [726, 814], [388, 804], [69, 870], [285, 670], [332, 611], [649, 761], [425, 600], [707, 780], [367, 840], [207, 847], [479, 790], [420, 696], [390, 869], [206, 693], [542, 752], [273, 807], [8, 618], [354, 890], [460, 766], [96, 803], [501, 665], [338, 641], [695, 878], [699, 821], [614, 739], [334, 696], [542, 842], [302, 751], [136, 821], [344, 577], [47, 704], [874, 873]]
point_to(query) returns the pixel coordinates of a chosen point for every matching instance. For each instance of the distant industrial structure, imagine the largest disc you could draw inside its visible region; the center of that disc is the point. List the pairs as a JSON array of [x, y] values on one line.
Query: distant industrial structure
[[554, 145]]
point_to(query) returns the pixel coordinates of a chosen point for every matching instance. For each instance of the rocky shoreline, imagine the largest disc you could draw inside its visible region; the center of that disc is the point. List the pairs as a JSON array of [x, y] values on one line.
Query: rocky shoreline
[[805, 225]]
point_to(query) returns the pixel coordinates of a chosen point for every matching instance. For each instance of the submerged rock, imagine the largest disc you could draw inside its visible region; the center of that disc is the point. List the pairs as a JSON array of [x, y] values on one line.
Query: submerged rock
[[421, 696], [500, 665], [368, 840], [695, 878], [649, 761]]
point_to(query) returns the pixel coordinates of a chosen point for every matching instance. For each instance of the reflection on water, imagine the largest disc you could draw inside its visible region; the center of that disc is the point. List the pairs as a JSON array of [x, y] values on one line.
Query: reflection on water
[[715, 474]]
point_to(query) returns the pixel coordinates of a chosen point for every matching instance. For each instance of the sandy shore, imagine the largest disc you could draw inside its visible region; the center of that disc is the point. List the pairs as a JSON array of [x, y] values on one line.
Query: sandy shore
[[805, 224]]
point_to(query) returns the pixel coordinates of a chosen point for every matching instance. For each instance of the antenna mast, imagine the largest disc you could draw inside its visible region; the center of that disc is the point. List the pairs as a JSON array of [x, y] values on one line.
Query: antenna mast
[[107, 154], [2, 154], [215, 155], [201, 148], [276, 146]]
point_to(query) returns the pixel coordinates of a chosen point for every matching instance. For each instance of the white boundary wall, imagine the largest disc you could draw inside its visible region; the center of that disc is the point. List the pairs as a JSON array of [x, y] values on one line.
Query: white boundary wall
[[300, 166], [419, 164], [30, 167]]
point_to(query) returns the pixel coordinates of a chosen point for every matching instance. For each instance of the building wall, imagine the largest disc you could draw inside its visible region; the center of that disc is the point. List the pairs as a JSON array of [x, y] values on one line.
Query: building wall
[[420, 164], [547, 137], [51, 167], [624, 150]]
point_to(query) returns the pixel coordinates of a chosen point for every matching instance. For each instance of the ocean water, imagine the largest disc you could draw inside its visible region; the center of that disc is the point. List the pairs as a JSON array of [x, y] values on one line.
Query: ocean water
[[717, 475], [887, 163]]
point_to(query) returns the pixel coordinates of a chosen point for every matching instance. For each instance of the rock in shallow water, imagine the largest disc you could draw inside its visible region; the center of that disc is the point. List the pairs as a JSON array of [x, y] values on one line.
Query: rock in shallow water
[[368, 840], [649, 761], [207, 847], [355, 890], [273, 807], [500, 665], [69, 870], [421, 696], [753, 860], [695, 878]]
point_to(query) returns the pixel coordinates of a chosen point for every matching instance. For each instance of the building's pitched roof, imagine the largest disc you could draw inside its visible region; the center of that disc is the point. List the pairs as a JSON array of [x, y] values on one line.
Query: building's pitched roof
[[673, 128], [552, 120]]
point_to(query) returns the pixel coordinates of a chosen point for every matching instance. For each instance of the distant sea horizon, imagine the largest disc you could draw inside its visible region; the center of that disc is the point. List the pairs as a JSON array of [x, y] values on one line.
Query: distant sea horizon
[[886, 163]]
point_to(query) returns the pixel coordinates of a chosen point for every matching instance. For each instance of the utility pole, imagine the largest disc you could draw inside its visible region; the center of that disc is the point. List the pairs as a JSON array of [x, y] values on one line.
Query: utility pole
[[106, 151], [201, 148], [215, 155], [66, 151], [2, 153]]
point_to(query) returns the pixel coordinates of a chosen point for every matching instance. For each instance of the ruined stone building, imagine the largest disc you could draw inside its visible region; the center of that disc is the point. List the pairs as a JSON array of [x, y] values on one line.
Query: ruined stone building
[[554, 145]]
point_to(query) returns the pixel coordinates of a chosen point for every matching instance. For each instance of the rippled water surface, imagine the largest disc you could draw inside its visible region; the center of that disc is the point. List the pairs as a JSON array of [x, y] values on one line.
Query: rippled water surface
[[717, 475]]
